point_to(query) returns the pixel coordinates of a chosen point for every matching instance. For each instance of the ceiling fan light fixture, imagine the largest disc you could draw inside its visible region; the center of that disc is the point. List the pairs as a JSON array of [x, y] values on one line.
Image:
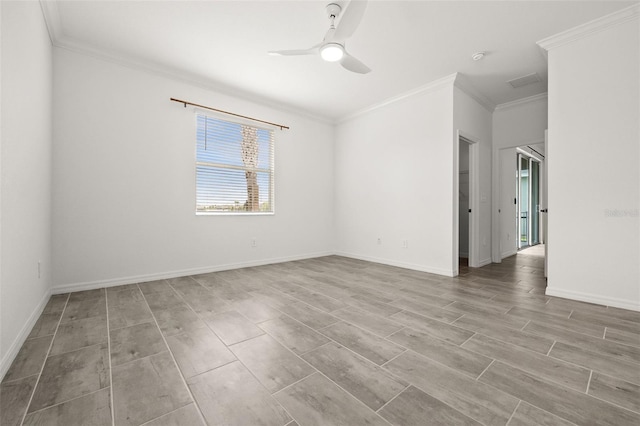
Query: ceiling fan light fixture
[[332, 52]]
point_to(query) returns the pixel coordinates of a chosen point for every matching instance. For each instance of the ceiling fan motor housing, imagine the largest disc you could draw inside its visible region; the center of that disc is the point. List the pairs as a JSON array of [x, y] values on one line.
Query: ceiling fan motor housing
[[333, 10]]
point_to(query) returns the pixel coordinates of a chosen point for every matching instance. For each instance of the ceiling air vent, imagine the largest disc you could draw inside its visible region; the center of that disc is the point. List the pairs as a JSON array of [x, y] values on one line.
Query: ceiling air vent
[[524, 80]]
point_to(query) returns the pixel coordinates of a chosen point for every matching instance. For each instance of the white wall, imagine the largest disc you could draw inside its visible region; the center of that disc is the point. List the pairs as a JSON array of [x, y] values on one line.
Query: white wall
[[473, 121], [515, 124], [394, 179], [594, 183], [124, 180], [26, 173]]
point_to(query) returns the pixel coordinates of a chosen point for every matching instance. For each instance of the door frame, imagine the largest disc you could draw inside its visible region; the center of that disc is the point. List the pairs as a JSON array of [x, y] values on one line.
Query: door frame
[[497, 176], [462, 136], [531, 158]]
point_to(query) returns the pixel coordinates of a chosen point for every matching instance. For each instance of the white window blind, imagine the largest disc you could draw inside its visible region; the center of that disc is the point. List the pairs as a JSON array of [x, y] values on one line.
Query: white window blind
[[234, 167]]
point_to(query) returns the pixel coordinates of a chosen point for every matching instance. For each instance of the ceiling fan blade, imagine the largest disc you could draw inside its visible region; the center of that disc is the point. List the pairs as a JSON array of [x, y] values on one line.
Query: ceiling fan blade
[[296, 52], [352, 64], [350, 20]]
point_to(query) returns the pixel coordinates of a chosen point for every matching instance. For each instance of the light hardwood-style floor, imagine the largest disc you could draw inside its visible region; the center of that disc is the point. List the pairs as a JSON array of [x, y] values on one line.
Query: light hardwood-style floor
[[329, 341]]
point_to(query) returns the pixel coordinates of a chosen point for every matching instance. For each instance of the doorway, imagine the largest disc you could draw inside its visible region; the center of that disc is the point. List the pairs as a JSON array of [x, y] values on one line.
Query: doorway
[[528, 200], [464, 202]]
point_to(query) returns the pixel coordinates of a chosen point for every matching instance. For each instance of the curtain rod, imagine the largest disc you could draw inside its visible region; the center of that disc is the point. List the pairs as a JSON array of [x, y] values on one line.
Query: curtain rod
[[227, 112]]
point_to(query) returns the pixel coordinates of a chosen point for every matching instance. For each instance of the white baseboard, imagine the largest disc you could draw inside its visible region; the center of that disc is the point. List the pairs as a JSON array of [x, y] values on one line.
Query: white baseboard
[[593, 298], [509, 253], [111, 282], [484, 262], [17, 343], [421, 268]]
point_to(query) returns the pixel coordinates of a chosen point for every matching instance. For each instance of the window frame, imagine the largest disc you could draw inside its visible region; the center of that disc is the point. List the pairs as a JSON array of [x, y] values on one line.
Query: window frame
[[271, 170]]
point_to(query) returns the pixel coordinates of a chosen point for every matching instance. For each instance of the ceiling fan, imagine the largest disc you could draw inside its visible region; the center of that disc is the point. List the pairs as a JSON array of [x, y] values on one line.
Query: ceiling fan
[[332, 48]]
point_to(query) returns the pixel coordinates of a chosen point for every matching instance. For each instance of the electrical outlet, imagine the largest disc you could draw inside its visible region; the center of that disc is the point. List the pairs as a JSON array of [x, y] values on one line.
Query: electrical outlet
[[379, 241], [254, 242], [405, 243]]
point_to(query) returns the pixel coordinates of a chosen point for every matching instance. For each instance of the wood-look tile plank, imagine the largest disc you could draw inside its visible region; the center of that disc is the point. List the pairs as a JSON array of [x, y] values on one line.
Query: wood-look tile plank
[[414, 407], [293, 334], [423, 298], [441, 330], [86, 294], [135, 342], [595, 344], [232, 327], [160, 300], [616, 391], [198, 350], [362, 342], [29, 359], [93, 409], [528, 415], [426, 310], [606, 320], [158, 286], [376, 324], [230, 396], [178, 319], [577, 407], [498, 331], [125, 294], [14, 398], [45, 326], [316, 401], [626, 338], [146, 389], [184, 416], [479, 401], [557, 321], [80, 308], [273, 365], [127, 308], [255, 310], [118, 288], [624, 314], [545, 367], [320, 301], [71, 375], [477, 308], [206, 304], [611, 366], [78, 334], [369, 304], [56, 304], [308, 315], [453, 356], [361, 378]]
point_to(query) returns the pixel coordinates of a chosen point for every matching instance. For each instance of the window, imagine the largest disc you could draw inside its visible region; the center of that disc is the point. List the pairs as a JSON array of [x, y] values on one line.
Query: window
[[234, 167]]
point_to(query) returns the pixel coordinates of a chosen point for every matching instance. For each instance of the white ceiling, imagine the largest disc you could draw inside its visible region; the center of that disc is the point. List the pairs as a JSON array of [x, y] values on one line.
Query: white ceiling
[[407, 44]]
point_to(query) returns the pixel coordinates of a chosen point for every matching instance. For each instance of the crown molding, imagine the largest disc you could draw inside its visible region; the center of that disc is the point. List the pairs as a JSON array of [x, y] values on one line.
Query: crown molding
[[429, 87], [523, 101], [51, 19], [462, 82], [591, 27], [59, 40]]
